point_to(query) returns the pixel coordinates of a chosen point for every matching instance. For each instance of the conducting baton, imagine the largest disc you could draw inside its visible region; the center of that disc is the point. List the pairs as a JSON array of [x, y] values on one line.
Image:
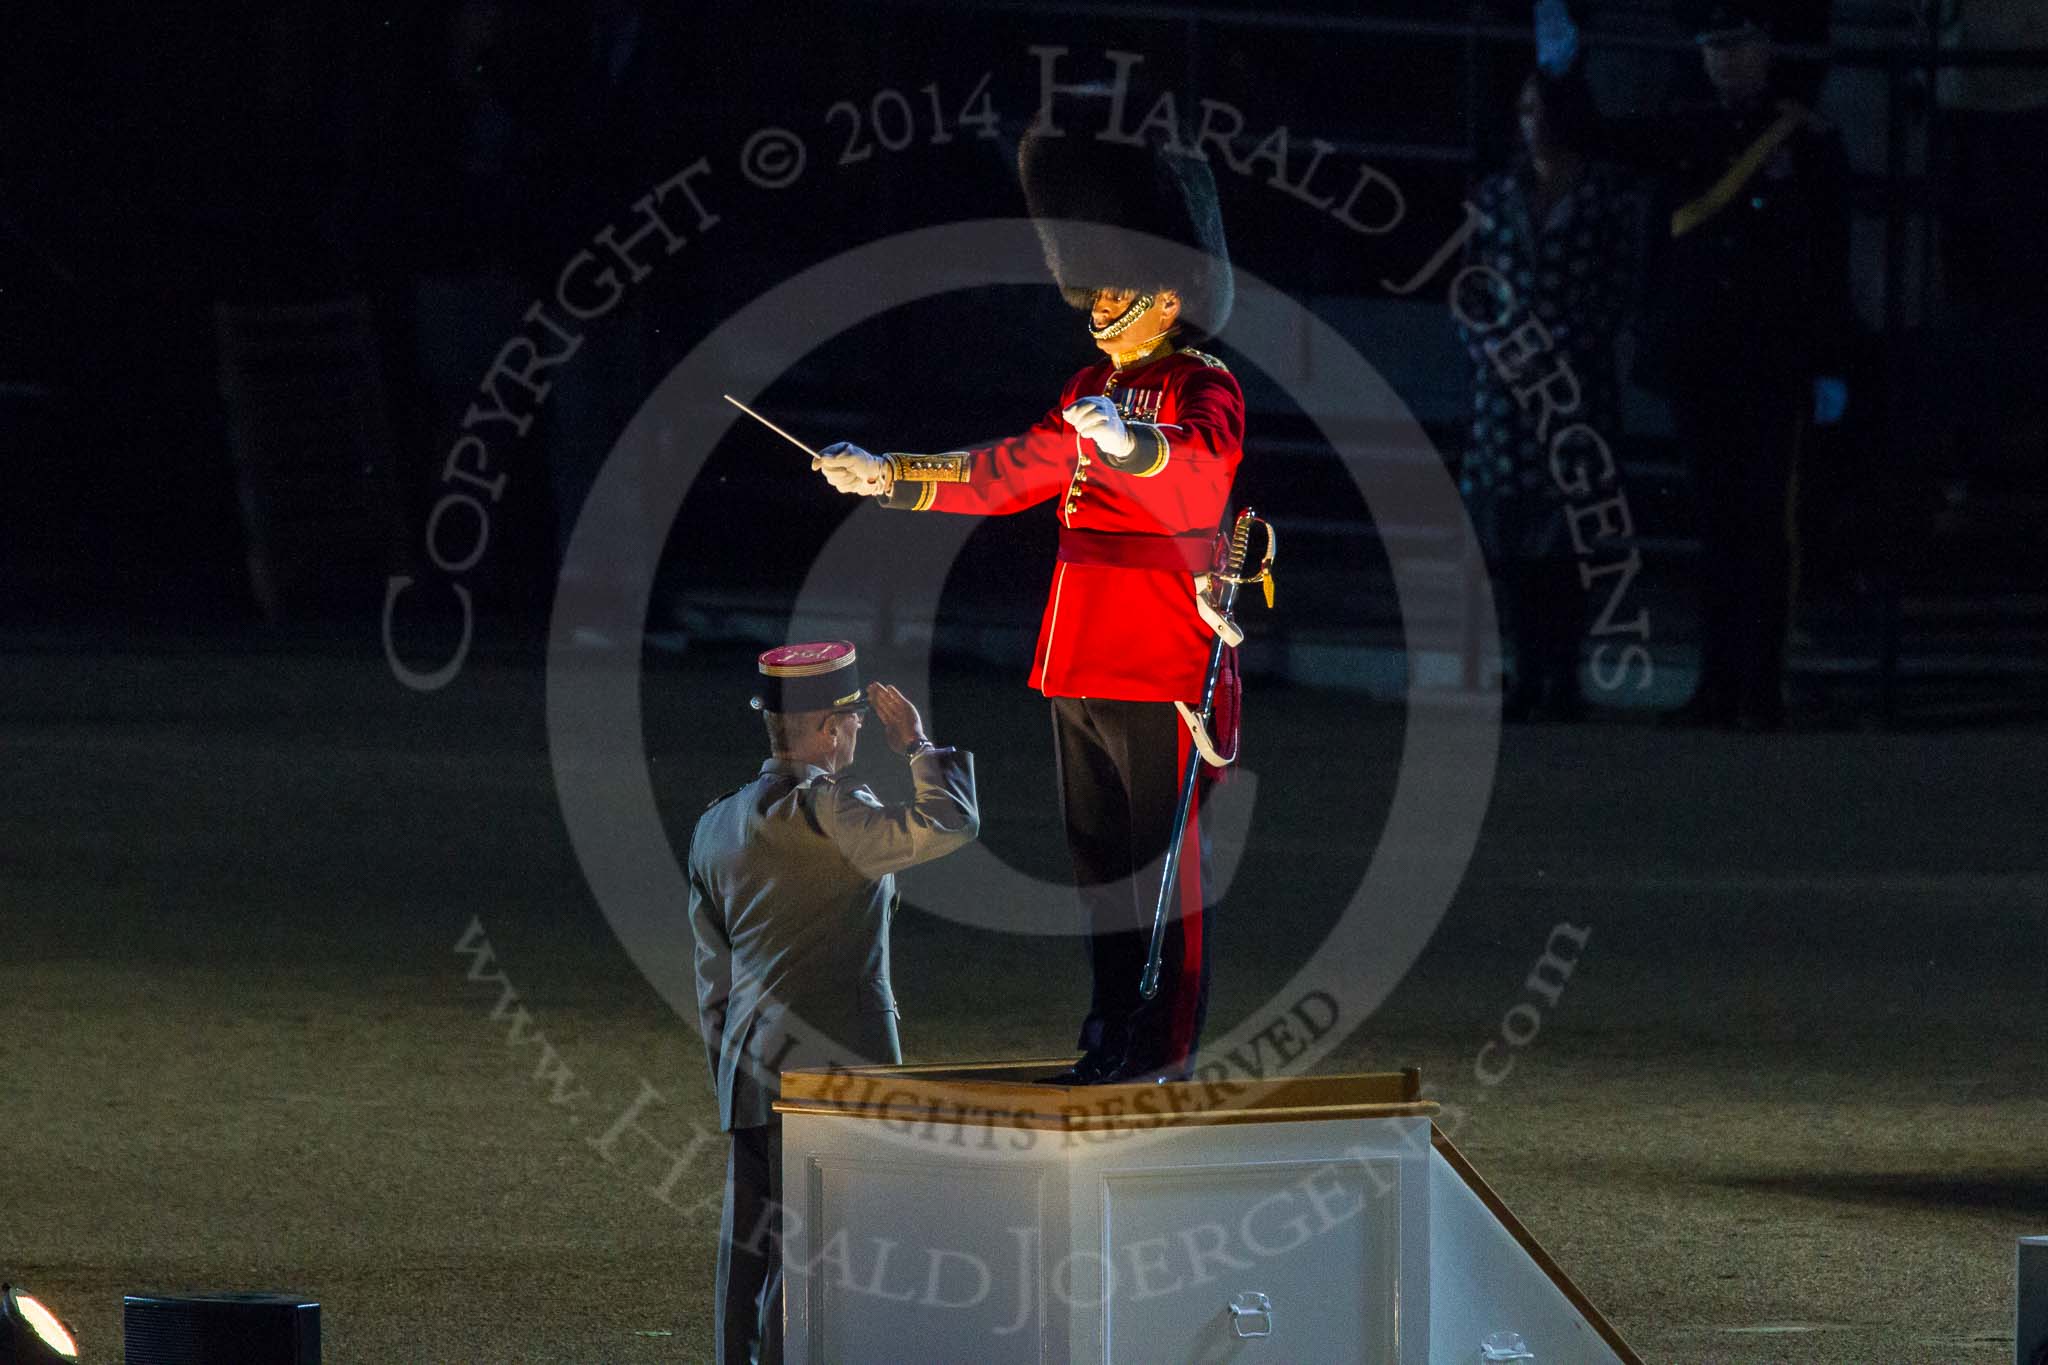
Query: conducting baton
[[815, 457]]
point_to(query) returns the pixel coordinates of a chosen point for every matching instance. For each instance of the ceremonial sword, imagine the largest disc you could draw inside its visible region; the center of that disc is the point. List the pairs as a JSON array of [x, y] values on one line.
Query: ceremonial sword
[[1227, 580]]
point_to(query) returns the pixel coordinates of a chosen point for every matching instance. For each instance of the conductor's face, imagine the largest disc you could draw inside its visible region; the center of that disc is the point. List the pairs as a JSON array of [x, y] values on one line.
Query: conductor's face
[[1109, 305]]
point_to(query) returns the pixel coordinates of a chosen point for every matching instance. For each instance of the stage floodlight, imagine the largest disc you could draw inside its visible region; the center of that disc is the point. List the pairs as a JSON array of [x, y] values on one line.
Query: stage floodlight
[[30, 1334]]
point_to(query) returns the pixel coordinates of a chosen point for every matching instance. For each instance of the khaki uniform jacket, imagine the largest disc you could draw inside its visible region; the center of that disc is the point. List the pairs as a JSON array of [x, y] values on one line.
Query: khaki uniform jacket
[[791, 891]]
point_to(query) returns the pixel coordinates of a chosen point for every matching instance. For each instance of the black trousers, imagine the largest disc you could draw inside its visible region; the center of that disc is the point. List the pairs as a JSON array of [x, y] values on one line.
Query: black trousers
[[1744, 443], [1120, 765], [750, 1249]]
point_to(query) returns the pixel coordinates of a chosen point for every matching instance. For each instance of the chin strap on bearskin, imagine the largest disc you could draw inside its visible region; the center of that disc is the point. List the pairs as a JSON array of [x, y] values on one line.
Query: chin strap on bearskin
[[1124, 321]]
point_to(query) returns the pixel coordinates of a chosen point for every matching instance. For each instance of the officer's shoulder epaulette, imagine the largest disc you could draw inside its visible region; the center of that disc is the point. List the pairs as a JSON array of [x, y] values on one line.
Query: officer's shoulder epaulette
[[726, 796], [841, 787], [1211, 361]]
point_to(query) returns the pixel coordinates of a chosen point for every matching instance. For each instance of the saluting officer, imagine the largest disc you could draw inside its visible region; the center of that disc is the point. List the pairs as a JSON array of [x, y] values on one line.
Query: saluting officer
[[792, 887], [1138, 455]]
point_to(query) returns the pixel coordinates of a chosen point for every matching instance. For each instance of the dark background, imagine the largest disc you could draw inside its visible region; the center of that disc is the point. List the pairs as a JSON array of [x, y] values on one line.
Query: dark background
[[440, 164]]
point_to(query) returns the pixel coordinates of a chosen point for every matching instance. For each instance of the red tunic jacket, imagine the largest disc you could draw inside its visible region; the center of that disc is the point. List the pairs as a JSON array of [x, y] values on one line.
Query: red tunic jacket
[[1120, 620]]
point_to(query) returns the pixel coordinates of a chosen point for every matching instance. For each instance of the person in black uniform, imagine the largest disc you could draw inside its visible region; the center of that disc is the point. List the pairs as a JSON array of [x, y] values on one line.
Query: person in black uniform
[[1747, 327]]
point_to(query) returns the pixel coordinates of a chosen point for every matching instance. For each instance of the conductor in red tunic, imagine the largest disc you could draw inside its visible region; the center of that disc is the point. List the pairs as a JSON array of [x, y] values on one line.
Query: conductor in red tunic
[[1137, 456]]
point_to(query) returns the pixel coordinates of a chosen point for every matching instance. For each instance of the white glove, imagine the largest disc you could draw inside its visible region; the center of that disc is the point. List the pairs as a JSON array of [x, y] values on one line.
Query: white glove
[[1095, 417], [849, 469]]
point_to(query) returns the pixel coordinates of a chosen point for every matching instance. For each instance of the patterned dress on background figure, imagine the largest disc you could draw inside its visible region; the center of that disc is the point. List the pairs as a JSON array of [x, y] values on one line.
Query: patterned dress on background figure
[[1572, 272]]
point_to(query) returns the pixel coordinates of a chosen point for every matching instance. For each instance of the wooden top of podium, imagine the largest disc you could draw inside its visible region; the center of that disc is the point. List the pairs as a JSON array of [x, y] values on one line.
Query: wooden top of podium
[[1008, 1095]]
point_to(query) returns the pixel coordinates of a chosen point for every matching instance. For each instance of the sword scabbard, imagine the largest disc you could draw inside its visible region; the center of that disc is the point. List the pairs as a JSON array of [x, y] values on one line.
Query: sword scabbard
[[1227, 579]]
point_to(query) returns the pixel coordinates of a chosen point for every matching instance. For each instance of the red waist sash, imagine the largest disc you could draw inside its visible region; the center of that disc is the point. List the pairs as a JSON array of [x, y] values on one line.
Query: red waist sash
[[1192, 553]]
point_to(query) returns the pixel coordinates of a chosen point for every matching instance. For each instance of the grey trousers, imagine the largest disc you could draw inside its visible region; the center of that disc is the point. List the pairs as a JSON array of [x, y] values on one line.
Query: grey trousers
[[750, 1249]]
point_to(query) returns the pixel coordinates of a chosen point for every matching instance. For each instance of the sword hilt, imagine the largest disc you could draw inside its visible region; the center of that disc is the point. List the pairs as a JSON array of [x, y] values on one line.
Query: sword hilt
[[1240, 538], [1232, 573]]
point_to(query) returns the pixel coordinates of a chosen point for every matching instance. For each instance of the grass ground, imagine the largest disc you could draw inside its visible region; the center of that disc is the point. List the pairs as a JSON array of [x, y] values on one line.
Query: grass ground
[[1789, 1107]]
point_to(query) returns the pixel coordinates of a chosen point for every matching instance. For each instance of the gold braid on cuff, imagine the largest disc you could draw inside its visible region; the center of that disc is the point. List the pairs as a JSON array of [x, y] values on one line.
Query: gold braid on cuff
[[955, 466], [1149, 451]]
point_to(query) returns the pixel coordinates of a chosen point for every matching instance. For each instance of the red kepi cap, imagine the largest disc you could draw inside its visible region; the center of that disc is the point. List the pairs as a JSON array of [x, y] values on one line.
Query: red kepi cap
[[822, 676]]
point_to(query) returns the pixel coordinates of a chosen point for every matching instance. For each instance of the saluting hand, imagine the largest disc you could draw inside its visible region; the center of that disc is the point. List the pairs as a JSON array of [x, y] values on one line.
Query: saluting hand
[[850, 469], [1096, 418], [900, 721]]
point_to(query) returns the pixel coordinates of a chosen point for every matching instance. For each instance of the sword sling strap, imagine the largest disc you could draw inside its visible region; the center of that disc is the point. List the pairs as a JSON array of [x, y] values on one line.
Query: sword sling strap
[[1723, 191]]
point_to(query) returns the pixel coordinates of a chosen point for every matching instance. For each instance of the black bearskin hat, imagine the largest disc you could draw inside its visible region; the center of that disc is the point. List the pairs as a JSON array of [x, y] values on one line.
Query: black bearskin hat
[[1144, 189]]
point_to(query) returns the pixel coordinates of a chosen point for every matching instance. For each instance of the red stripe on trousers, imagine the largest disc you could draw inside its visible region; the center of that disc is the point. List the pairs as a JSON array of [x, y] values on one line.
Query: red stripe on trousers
[[1188, 988]]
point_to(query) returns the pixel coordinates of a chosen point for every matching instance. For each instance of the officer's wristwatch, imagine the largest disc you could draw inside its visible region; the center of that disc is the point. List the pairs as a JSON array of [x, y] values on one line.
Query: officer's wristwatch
[[919, 750]]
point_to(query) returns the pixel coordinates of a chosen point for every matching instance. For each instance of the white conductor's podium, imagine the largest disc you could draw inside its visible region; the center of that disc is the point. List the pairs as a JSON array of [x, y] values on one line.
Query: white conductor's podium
[[964, 1215]]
